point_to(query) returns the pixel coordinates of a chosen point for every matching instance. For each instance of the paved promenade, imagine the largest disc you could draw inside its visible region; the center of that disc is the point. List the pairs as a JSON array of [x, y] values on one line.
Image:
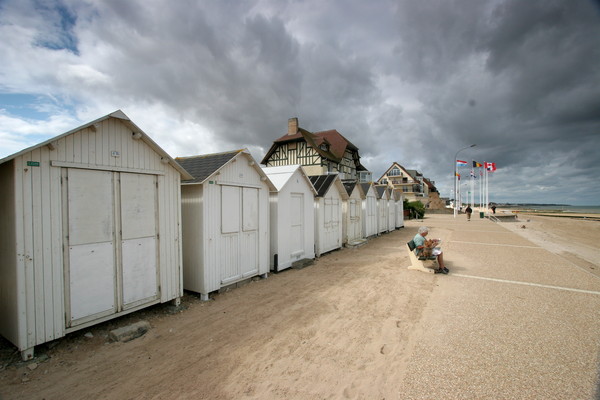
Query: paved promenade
[[512, 320]]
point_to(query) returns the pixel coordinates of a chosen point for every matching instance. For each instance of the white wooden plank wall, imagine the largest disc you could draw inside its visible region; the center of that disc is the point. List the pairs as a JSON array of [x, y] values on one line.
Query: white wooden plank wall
[[263, 229], [211, 236], [208, 234], [239, 173], [39, 222], [192, 239], [8, 254]]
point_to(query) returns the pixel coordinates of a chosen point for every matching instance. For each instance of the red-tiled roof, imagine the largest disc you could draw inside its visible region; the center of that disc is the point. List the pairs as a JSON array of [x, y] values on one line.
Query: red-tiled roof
[[338, 143]]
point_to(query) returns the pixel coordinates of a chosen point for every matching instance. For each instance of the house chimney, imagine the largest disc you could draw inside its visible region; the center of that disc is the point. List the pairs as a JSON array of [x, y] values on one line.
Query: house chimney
[[292, 126]]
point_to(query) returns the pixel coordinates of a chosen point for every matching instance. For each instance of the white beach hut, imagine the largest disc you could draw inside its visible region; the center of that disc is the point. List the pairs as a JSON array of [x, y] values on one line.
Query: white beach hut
[[90, 230], [225, 209], [369, 210], [352, 214], [328, 212], [399, 204], [383, 209], [292, 212], [391, 210]]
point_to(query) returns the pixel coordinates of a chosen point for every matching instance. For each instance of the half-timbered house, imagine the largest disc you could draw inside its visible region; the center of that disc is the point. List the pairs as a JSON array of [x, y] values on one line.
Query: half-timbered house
[[319, 153]]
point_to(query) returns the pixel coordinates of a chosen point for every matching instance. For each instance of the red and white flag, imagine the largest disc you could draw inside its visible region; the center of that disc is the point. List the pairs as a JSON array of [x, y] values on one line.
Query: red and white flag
[[490, 166]]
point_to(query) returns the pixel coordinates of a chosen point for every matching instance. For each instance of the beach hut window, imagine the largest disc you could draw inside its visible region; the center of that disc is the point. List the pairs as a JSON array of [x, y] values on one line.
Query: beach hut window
[[250, 209], [297, 231], [230, 211]]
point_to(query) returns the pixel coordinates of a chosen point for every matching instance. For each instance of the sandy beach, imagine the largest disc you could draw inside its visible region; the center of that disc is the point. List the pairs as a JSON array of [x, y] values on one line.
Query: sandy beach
[[518, 317]]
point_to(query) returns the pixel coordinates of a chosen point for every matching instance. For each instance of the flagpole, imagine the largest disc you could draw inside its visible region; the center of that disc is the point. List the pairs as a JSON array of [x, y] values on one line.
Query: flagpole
[[472, 188], [480, 189], [455, 177], [487, 192]]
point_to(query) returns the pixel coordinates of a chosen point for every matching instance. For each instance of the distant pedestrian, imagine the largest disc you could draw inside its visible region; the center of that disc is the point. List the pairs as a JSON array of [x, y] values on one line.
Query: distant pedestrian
[[494, 209], [468, 211]]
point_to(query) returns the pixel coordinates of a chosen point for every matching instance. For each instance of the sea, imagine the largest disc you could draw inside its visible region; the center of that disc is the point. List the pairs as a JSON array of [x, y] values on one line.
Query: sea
[[561, 208]]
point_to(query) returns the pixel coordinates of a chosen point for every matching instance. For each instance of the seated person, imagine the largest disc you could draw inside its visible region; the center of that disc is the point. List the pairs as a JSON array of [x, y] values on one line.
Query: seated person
[[419, 240]]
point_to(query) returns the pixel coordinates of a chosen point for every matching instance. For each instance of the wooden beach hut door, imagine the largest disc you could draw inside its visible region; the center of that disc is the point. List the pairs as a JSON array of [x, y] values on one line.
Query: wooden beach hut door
[[111, 231], [331, 226], [383, 214], [297, 225], [354, 206], [371, 215], [239, 233]]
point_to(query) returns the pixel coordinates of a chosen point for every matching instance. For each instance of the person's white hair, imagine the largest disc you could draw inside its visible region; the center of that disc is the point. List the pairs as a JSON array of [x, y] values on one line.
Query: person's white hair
[[423, 229]]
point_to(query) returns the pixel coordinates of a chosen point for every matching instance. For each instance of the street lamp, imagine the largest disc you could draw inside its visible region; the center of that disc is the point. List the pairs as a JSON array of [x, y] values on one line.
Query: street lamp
[[454, 177]]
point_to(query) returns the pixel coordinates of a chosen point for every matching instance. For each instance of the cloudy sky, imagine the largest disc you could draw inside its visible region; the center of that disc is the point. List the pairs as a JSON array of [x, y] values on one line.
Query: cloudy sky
[[406, 81]]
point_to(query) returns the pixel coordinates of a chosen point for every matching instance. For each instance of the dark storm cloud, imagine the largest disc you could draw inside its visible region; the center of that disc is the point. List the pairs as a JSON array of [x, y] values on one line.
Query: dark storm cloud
[[406, 81]]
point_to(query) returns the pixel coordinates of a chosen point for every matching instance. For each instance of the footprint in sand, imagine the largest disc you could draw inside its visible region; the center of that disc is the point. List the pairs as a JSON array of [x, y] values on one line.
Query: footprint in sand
[[349, 392]]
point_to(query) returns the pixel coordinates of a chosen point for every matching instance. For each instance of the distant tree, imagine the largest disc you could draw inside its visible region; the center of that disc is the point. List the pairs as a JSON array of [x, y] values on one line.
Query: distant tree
[[416, 209]]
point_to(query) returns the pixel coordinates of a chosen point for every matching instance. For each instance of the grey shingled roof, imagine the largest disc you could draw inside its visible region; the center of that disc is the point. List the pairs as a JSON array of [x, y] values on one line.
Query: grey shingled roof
[[201, 167], [349, 186], [322, 183], [365, 187], [380, 190]]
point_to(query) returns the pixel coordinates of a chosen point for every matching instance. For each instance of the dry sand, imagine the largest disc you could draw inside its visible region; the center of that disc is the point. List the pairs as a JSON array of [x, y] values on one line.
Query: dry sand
[[357, 324]]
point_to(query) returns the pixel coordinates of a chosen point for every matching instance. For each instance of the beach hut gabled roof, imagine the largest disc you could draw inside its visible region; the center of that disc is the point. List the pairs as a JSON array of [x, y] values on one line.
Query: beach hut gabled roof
[[281, 175], [203, 167], [380, 190], [135, 130], [365, 187], [351, 184], [322, 183], [397, 194]]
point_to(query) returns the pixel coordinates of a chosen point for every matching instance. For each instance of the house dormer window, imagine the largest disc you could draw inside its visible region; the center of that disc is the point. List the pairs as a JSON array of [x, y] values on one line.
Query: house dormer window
[[324, 147]]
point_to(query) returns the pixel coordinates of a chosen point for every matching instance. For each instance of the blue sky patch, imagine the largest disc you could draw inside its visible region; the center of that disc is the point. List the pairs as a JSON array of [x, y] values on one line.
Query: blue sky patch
[[30, 106], [62, 21]]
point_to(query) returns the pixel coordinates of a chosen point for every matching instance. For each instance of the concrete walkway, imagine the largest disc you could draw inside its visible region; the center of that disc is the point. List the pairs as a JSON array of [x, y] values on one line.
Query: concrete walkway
[[511, 321]]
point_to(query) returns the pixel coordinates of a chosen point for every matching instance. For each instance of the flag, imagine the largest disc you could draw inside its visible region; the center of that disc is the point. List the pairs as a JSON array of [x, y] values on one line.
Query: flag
[[458, 175], [476, 164], [460, 163], [490, 166]]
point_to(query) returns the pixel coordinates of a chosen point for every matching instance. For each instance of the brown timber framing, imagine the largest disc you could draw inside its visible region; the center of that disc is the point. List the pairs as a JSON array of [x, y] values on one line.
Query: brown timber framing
[[295, 153]]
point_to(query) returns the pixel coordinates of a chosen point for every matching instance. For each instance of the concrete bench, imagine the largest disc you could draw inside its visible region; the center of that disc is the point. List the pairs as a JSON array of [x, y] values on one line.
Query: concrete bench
[[423, 264]]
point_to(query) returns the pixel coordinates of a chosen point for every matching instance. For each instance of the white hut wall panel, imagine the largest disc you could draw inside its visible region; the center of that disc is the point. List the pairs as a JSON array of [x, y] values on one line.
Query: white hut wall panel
[[11, 261], [293, 224], [211, 234], [274, 204], [302, 243], [370, 214], [329, 221], [391, 214], [41, 201], [399, 213], [345, 218], [382, 212], [192, 215], [353, 215], [233, 231]]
